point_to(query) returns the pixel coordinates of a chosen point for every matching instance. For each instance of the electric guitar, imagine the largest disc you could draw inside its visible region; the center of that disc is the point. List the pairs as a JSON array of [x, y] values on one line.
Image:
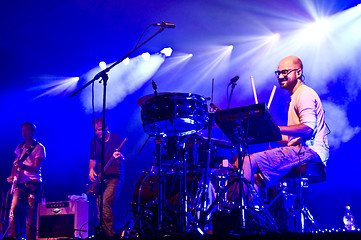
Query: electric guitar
[[94, 185], [15, 172]]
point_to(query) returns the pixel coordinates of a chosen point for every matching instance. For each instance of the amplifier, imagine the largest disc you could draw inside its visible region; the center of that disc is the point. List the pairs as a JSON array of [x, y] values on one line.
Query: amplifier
[[66, 219]]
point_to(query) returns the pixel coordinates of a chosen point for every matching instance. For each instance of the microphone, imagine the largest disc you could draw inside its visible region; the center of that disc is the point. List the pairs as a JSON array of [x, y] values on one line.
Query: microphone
[[164, 24], [154, 85], [234, 80], [155, 88]]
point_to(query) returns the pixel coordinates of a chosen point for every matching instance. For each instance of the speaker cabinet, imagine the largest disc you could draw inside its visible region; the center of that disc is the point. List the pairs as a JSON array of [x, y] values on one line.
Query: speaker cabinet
[[66, 219]]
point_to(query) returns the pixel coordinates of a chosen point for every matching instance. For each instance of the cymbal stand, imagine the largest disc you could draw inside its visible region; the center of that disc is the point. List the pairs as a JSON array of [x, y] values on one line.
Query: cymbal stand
[[242, 150], [187, 218], [161, 188], [241, 146], [205, 185]]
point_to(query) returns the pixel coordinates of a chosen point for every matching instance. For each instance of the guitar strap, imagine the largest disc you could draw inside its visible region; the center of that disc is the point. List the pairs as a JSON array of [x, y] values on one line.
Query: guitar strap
[[29, 151]]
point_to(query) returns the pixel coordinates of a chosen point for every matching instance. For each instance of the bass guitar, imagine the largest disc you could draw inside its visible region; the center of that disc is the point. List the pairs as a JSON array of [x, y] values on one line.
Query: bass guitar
[[94, 185]]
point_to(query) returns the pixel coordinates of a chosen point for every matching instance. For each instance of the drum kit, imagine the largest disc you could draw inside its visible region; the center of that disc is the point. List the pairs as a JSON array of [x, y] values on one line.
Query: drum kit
[[192, 189]]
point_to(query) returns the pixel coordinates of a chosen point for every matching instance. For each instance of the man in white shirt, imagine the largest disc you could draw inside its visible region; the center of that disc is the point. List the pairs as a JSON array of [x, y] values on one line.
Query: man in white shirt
[[305, 135], [30, 155]]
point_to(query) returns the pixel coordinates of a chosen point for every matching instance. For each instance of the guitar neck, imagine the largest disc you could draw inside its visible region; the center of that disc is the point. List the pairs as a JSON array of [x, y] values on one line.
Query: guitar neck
[[15, 170], [110, 161]]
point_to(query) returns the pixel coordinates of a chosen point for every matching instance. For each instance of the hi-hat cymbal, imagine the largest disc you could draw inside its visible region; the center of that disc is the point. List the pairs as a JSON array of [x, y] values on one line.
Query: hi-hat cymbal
[[218, 142]]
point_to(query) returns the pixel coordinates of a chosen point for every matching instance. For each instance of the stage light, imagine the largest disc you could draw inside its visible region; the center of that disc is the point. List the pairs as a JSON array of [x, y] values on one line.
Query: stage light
[[275, 37], [126, 61], [57, 86], [125, 79], [359, 7], [146, 56], [317, 29], [167, 51], [190, 55], [102, 65], [230, 47]]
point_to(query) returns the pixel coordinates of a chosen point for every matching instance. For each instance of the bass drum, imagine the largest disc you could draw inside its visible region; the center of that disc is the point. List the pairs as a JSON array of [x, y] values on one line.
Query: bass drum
[[145, 206]]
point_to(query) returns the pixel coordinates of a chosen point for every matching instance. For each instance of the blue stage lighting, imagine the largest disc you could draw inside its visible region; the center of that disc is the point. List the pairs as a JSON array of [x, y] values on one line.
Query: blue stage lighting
[[275, 37], [167, 51], [146, 56], [102, 65], [317, 29], [126, 61]]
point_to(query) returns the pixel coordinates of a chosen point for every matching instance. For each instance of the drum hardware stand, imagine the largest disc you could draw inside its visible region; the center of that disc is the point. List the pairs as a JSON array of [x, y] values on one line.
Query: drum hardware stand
[[205, 185], [236, 124], [161, 188], [136, 219], [294, 204], [186, 216], [242, 149]]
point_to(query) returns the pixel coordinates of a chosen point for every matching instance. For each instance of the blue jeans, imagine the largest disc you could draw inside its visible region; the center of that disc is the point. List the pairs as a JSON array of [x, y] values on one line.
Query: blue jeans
[[111, 193], [28, 193]]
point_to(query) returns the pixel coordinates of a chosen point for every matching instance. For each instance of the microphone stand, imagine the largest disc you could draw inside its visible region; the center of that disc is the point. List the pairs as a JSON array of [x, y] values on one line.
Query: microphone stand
[[230, 97], [103, 76]]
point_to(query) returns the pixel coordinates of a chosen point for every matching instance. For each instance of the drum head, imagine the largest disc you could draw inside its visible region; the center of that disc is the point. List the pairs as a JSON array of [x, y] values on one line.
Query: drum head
[[174, 114]]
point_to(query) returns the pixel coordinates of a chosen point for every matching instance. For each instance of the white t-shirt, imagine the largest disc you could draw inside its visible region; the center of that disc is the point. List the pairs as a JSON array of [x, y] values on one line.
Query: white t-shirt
[[306, 107], [38, 152]]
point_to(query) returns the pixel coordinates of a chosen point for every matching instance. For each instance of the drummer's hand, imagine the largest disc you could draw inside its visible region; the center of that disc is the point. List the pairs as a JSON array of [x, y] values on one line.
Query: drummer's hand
[[92, 175]]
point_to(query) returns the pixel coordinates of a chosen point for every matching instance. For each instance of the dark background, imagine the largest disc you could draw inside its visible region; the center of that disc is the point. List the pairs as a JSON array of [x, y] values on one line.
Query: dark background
[[45, 42]]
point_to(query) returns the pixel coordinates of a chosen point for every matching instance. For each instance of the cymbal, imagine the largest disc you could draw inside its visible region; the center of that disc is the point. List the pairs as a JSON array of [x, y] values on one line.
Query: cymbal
[[150, 96], [219, 142], [222, 143], [221, 172]]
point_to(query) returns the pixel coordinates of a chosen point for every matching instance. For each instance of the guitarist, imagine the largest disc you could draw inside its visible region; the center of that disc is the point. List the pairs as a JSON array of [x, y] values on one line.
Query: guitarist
[[27, 177], [113, 176]]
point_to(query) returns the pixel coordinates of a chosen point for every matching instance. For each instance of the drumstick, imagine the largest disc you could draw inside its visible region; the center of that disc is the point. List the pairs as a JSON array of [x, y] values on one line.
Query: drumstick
[[212, 90], [254, 90], [271, 97]]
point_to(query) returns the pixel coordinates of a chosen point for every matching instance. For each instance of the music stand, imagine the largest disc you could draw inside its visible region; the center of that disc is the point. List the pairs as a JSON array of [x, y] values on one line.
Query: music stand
[[244, 126]]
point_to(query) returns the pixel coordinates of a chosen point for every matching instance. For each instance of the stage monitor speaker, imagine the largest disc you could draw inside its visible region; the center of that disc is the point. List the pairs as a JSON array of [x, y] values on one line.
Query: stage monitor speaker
[[66, 219]]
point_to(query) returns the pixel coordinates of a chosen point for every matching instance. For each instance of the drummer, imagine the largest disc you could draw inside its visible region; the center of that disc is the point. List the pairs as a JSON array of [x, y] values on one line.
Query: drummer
[[305, 136]]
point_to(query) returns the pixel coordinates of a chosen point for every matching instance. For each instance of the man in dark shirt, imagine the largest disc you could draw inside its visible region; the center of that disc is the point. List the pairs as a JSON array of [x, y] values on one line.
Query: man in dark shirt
[[114, 175]]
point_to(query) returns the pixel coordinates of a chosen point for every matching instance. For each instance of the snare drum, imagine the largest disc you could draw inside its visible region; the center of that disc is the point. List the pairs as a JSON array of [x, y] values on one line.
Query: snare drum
[[173, 114]]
